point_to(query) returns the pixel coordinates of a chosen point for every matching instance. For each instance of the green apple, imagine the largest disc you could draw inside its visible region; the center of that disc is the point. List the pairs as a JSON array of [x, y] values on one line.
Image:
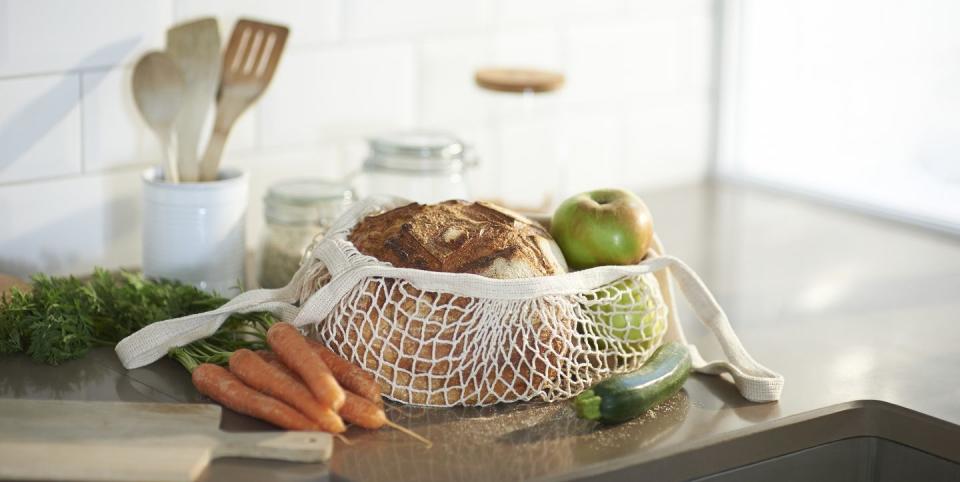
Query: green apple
[[627, 311], [603, 227]]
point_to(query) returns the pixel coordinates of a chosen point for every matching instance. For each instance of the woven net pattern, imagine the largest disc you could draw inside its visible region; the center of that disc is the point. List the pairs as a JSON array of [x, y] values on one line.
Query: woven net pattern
[[439, 349], [436, 348]]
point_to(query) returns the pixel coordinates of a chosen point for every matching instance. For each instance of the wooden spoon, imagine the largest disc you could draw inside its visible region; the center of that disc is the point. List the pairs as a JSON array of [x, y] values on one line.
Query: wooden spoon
[[248, 66], [158, 92], [195, 48]]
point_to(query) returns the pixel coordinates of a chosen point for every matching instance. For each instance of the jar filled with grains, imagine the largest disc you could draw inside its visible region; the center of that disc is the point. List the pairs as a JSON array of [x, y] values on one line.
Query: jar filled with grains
[[296, 212]]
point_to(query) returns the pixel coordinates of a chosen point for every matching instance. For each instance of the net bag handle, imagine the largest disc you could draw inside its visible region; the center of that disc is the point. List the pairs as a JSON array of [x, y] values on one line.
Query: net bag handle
[[152, 342], [755, 382]]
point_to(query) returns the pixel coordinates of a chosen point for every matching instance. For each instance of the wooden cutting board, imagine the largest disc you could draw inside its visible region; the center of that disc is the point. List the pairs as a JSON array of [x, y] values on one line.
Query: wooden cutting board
[[69, 440]]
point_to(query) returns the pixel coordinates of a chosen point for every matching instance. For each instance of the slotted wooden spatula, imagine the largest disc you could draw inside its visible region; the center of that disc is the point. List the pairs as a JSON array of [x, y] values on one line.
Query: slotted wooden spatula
[[248, 66], [70, 440]]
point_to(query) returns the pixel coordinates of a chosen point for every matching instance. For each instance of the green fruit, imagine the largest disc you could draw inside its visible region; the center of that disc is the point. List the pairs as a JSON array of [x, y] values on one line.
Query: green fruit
[[603, 227], [626, 311]]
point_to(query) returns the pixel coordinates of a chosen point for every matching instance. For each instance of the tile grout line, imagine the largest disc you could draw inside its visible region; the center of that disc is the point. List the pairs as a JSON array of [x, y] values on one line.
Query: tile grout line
[[65, 177], [68, 71], [255, 153]]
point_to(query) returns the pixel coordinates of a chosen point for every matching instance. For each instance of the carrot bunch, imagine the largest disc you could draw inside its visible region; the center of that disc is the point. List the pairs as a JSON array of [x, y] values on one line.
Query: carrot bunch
[[299, 385]]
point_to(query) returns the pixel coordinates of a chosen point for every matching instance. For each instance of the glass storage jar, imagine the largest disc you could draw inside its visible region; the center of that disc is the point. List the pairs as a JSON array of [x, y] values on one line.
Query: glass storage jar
[[296, 212], [528, 170], [422, 166]]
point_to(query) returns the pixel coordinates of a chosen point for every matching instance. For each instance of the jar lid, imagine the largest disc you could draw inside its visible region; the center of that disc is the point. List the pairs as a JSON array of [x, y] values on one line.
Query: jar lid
[[306, 201], [417, 151], [519, 80]]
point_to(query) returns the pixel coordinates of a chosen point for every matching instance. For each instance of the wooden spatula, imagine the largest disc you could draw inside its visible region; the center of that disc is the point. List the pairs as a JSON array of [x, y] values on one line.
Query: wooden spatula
[[70, 440], [248, 66], [195, 48]]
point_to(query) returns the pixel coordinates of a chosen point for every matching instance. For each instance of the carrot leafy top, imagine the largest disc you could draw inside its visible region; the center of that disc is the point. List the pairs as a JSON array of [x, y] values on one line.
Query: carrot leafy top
[[62, 318]]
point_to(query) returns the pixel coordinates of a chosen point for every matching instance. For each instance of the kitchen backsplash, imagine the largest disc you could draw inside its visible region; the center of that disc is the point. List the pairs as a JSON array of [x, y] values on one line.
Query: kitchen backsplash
[[636, 111]]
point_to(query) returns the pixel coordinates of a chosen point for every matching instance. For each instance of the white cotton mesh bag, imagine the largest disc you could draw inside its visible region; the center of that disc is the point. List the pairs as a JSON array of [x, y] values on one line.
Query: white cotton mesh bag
[[451, 339]]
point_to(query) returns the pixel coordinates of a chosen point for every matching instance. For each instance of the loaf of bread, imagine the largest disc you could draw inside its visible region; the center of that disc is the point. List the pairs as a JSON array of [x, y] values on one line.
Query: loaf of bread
[[429, 348], [460, 237]]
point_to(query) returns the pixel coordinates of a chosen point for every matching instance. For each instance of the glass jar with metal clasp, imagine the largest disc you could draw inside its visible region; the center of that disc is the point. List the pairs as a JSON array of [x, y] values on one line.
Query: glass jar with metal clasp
[[422, 166]]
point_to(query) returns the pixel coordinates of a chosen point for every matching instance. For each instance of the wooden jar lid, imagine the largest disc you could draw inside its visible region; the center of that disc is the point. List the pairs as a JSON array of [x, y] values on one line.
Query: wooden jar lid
[[519, 80]]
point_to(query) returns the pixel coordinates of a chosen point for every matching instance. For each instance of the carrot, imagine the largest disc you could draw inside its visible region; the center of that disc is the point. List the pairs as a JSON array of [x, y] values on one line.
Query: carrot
[[360, 411], [276, 363], [350, 376], [261, 375], [219, 384], [294, 351], [364, 413], [271, 358], [267, 355], [356, 409]]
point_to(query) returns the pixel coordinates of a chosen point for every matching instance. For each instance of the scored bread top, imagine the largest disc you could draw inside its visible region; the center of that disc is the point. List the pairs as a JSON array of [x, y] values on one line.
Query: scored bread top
[[460, 237]]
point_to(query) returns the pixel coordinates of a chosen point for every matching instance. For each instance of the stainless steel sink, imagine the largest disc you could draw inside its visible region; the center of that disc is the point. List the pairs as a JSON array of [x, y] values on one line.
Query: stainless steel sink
[[858, 459], [864, 441]]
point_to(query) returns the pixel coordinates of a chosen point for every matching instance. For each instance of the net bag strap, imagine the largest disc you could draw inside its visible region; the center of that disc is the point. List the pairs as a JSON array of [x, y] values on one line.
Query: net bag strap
[[755, 382], [152, 342]]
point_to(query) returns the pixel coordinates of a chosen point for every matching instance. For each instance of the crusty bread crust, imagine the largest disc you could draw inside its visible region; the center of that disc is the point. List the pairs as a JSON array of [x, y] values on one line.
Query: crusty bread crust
[[456, 237], [460, 237]]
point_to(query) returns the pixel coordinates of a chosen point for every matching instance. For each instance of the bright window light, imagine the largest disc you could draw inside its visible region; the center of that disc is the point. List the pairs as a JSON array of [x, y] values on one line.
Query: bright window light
[[855, 101]]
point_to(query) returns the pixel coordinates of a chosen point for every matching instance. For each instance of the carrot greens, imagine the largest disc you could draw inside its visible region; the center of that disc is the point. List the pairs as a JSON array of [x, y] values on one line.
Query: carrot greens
[[62, 318]]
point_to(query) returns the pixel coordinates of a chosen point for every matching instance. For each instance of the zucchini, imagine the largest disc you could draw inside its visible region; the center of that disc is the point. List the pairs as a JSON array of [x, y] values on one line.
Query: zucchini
[[626, 396]]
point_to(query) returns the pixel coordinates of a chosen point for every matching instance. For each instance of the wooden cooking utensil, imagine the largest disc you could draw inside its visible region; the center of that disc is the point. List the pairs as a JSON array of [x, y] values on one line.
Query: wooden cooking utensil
[[158, 92], [195, 48], [248, 66], [71, 440]]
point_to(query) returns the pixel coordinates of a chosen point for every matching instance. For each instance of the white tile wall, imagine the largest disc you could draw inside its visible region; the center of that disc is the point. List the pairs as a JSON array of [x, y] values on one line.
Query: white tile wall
[[534, 12], [635, 112], [311, 22], [39, 127], [539, 48], [114, 134], [41, 36], [371, 19], [67, 225], [446, 66], [338, 93]]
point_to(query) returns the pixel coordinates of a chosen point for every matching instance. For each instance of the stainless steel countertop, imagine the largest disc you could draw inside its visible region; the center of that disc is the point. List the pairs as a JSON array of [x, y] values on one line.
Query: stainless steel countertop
[[848, 308]]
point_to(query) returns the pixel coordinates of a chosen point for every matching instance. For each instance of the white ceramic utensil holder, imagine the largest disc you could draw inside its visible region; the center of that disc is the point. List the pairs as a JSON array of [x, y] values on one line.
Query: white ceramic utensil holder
[[195, 232]]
